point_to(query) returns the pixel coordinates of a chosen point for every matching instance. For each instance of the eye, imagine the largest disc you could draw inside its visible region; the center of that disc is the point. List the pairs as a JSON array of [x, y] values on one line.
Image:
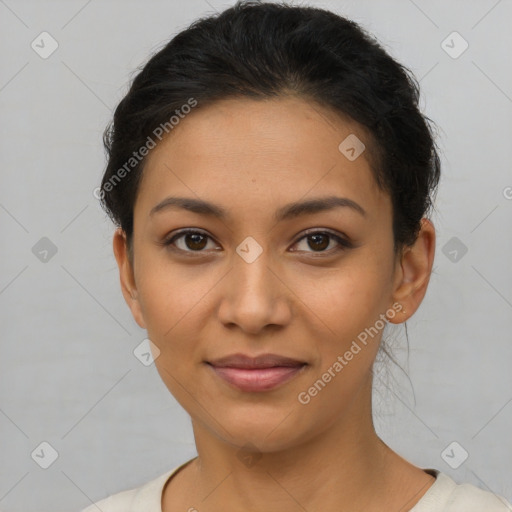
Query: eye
[[189, 240], [195, 241], [319, 241]]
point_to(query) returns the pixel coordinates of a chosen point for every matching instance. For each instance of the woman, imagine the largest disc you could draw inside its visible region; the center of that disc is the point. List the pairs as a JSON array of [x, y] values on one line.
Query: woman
[[271, 177]]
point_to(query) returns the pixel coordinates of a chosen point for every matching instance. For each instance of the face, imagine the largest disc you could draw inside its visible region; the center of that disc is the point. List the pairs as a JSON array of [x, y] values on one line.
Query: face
[[254, 273]]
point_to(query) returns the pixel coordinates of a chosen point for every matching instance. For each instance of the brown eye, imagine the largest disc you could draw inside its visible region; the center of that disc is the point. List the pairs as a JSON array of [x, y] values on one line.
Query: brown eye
[[195, 241], [189, 241], [319, 241]]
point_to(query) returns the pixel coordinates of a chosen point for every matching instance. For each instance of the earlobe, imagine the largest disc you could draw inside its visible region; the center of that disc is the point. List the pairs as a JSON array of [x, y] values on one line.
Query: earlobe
[[126, 276], [413, 272]]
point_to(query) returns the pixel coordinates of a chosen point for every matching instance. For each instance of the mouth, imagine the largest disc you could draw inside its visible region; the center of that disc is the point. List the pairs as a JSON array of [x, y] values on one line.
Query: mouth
[[256, 374]]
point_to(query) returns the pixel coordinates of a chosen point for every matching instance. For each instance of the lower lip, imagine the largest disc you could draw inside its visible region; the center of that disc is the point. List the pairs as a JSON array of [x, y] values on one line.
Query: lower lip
[[257, 379]]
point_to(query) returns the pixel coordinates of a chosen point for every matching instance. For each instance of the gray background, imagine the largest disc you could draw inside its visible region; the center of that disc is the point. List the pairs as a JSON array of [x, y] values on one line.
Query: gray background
[[68, 375]]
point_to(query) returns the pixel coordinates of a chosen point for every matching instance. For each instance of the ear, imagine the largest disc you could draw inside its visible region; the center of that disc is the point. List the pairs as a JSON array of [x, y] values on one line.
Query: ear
[[413, 272], [126, 276]]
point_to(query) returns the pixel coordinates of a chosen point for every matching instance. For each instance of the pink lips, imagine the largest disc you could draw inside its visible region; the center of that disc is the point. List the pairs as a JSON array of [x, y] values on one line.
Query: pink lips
[[252, 374]]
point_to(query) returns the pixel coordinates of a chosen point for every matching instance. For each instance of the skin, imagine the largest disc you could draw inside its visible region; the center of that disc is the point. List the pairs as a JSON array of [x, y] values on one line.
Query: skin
[[296, 299]]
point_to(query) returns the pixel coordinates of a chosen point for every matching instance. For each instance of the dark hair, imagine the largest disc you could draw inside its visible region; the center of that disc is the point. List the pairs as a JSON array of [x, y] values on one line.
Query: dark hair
[[260, 50]]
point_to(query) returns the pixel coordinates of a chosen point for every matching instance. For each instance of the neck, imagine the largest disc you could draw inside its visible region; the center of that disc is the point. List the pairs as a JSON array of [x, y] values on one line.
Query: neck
[[339, 469]]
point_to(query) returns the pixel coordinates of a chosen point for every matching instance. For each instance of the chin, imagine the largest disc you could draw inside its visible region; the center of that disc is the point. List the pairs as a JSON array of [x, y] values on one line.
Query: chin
[[268, 429]]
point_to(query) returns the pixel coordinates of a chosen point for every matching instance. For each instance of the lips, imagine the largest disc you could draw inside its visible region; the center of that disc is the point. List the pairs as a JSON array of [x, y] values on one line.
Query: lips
[[256, 374]]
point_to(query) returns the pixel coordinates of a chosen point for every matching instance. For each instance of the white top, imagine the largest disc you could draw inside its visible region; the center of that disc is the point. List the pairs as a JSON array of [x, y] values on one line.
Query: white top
[[445, 495]]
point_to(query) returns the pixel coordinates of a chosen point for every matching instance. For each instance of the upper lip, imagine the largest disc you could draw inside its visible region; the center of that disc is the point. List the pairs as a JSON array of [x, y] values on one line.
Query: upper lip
[[261, 361]]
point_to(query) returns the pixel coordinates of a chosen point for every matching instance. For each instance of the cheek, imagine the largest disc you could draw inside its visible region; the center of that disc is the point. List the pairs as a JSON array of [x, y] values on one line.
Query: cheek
[[174, 304], [177, 305], [351, 298], [173, 298], [350, 310], [351, 306]]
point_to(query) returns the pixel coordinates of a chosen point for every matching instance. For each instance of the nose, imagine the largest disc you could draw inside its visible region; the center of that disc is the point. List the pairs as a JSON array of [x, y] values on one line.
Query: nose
[[254, 296]]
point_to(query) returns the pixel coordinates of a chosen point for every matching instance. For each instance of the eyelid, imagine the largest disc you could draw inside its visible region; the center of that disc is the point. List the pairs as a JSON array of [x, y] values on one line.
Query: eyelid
[[184, 231], [342, 240], [168, 241]]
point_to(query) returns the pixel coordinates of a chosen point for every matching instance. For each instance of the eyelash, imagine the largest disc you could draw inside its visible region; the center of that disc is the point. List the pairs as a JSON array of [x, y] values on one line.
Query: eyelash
[[343, 243]]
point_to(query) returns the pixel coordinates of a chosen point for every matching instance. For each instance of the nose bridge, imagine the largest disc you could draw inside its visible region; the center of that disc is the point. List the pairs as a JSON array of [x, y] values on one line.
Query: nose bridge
[[250, 268], [253, 296]]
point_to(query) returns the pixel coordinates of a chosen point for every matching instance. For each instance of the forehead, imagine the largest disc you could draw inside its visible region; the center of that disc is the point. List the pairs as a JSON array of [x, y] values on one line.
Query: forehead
[[257, 153]]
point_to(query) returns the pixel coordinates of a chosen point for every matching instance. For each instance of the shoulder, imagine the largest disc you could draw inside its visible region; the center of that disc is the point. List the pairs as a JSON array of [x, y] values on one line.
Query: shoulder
[[468, 498], [116, 503], [445, 495], [146, 498]]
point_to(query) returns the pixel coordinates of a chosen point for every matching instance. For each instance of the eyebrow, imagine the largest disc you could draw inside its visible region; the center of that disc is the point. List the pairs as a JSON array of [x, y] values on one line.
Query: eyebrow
[[289, 211]]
